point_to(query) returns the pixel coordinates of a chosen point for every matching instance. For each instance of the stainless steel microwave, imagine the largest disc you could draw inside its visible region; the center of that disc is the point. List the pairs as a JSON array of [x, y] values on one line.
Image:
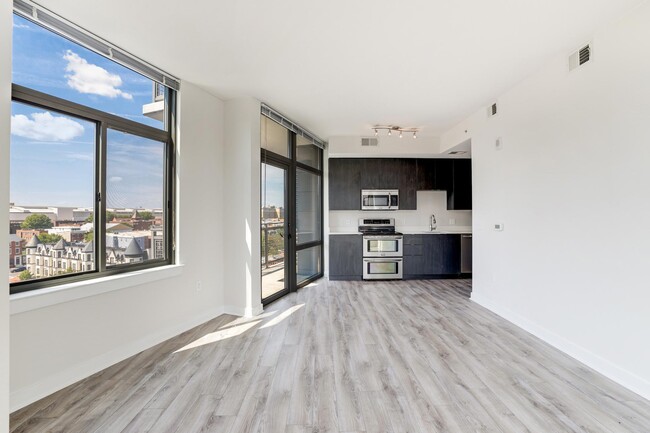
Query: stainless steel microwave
[[379, 199]]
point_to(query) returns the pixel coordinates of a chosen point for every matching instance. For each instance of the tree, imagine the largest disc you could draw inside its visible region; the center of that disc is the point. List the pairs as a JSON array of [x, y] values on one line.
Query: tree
[[36, 221], [109, 217], [146, 215], [25, 275], [88, 237], [47, 238]]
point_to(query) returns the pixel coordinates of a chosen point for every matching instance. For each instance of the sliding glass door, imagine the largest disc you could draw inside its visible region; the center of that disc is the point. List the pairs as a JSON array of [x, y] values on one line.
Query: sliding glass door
[[291, 211]]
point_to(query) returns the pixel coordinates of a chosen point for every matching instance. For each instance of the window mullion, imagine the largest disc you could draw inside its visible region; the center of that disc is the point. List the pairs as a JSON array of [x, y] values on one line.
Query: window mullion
[[170, 181], [100, 182]]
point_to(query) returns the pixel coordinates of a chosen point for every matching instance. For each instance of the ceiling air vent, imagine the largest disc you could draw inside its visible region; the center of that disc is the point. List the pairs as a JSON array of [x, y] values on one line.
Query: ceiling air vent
[[580, 57], [492, 110], [370, 141]]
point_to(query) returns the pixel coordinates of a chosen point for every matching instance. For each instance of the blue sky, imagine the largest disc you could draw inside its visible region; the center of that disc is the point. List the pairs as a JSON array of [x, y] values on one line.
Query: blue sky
[[272, 186], [52, 156]]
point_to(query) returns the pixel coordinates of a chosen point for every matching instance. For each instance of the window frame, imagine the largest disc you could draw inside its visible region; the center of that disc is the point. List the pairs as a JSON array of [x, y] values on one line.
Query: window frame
[[105, 121]]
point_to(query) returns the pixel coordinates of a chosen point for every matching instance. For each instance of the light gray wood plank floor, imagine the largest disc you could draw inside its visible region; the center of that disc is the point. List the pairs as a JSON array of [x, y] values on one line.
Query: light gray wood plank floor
[[397, 356]]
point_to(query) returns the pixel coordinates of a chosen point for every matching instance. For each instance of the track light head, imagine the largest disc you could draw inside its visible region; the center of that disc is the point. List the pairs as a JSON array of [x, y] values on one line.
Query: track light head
[[390, 128]]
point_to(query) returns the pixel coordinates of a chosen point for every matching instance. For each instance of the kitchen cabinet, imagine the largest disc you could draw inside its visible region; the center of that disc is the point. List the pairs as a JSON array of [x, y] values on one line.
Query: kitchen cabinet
[[346, 257], [407, 181], [426, 174], [431, 255], [345, 183], [451, 175], [434, 174], [348, 176], [444, 175], [413, 259], [459, 196]]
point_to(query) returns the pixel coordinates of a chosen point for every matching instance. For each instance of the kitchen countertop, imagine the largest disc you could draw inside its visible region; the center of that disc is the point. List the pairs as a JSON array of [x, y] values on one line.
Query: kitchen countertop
[[412, 231], [344, 232], [437, 232]]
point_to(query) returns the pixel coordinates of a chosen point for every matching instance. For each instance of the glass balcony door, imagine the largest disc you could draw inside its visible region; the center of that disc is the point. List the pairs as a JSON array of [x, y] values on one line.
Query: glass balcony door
[[275, 232], [291, 211]]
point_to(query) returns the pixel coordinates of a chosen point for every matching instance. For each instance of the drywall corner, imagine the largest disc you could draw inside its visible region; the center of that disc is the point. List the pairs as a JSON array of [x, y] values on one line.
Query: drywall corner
[[242, 281]]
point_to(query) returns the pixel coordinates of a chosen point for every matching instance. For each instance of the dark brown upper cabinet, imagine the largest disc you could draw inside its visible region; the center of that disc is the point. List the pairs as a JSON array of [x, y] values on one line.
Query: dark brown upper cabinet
[[348, 176]]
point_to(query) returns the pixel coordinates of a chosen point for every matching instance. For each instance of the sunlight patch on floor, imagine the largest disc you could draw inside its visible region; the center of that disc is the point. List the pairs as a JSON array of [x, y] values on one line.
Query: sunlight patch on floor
[[241, 320], [220, 335], [288, 312]]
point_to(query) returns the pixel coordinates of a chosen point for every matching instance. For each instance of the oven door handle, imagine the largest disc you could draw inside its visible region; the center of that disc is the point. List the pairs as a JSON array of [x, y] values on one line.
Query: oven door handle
[[382, 259], [383, 237]]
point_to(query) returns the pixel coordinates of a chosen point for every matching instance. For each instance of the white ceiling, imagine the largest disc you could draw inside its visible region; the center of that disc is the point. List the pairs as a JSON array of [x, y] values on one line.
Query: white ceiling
[[339, 66]]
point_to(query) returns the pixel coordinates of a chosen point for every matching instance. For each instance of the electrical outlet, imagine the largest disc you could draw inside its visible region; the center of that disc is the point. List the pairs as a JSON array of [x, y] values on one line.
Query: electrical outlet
[[452, 221], [498, 227], [199, 285]]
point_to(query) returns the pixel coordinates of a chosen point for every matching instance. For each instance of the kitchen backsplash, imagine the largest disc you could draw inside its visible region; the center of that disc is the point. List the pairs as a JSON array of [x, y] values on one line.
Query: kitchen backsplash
[[429, 202]]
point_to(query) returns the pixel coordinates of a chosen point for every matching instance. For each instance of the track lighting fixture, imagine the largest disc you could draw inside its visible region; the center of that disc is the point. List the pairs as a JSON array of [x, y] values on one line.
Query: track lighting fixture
[[391, 128]]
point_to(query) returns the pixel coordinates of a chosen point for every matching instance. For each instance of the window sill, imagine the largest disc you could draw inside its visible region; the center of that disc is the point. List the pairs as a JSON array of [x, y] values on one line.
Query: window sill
[[34, 300]]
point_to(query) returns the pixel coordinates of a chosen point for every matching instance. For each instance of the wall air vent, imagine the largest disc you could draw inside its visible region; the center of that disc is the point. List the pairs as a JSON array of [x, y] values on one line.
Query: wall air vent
[[580, 57], [492, 110], [370, 141]]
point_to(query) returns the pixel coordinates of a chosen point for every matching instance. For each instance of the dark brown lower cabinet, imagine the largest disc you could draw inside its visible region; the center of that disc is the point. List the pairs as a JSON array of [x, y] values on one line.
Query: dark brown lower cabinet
[[346, 257], [425, 256], [431, 255]]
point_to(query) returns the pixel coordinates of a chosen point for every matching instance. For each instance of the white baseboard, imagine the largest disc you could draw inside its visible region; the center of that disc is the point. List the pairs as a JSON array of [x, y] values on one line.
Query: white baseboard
[[608, 369], [244, 311], [24, 396], [253, 311]]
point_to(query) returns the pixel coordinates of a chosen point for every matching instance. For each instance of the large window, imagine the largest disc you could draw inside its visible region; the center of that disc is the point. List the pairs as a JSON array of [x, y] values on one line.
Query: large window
[[91, 161]]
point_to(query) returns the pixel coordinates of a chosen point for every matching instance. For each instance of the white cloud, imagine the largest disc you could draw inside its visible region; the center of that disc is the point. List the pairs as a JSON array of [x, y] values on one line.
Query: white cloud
[[45, 127], [115, 179], [81, 156], [20, 26], [88, 78]]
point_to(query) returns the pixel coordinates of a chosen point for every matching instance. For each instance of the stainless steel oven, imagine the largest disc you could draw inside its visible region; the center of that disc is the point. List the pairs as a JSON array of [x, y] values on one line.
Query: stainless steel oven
[[379, 199], [387, 268], [382, 245], [382, 249]]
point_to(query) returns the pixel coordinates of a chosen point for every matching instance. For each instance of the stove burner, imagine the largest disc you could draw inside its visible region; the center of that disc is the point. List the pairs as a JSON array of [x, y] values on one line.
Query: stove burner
[[377, 226]]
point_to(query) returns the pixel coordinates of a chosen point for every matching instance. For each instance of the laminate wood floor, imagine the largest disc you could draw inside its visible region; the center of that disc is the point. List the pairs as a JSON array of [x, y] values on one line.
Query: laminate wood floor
[[406, 356]]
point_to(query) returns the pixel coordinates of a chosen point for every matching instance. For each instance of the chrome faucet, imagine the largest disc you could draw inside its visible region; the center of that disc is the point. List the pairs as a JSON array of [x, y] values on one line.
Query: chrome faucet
[[432, 223]]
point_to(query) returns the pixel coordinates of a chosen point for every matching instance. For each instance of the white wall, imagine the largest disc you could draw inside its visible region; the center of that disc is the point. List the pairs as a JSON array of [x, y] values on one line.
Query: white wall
[[242, 281], [5, 112], [572, 187], [54, 346], [393, 146]]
